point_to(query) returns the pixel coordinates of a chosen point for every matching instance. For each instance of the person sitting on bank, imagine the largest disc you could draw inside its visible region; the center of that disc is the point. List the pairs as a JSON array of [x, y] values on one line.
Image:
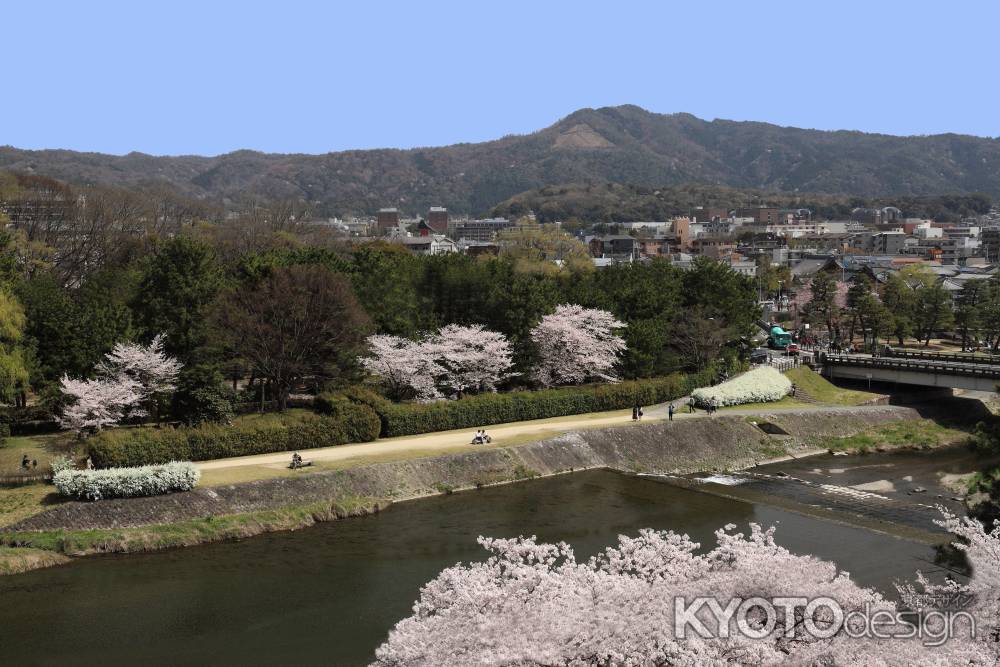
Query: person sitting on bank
[[486, 437], [296, 461], [25, 462]]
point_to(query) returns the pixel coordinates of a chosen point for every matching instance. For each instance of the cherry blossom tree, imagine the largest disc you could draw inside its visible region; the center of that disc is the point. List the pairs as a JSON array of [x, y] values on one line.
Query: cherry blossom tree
[[98, 403], [151, 370], [129, 376], [454, 361], [534, 604], [403, 366], [576, 344], [471, 359]]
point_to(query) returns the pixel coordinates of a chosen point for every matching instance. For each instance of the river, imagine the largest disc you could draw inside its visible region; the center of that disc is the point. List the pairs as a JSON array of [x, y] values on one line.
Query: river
[[329, 595]]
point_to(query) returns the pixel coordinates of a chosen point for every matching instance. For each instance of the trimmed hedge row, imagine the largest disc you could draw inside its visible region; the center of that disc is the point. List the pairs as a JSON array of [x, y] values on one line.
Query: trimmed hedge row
[[127, 482], [476, 411], [350, 422]]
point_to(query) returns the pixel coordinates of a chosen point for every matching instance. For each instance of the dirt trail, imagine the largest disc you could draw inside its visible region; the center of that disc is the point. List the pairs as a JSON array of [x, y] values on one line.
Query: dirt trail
[[502, 434]]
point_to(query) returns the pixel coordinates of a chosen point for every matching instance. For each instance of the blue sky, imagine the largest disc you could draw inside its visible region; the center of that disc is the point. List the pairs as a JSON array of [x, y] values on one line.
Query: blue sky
[[210, 77]]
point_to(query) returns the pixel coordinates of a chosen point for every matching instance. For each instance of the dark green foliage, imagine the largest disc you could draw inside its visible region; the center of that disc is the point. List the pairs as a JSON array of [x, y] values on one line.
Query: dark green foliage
[[259, 435], [68, 331], [178, 283], [485, 409], [201, 397]]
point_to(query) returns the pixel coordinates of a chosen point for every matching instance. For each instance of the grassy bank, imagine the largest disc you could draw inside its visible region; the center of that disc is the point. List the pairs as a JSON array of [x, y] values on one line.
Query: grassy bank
[[18, 560], [919, 434], [824, 391], [187, 533]]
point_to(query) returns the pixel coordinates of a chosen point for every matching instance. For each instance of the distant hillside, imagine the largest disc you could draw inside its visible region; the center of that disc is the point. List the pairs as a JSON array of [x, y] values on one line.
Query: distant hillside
[[609, 202], [618, 144]]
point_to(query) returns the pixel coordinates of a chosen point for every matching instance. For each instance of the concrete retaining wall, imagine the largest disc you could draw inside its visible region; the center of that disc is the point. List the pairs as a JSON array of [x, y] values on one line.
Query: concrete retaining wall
[[689, 445]]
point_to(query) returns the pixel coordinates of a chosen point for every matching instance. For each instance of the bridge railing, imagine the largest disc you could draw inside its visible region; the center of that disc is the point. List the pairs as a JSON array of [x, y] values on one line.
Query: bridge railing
[[918, 365], [942, 356]]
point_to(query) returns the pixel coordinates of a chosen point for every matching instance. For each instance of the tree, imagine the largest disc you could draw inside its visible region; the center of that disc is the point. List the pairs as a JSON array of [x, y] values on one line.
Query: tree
[[825, 305], [472, 359], [699, 338], [933, 311], [299, 323], [201, 397], [546, 250], [989, 313], [13, 366], [454, 361], [900, 300], [576, 344], [402, 366], [148, 367], [178, 284], [968, 314], [634, 604], [96, 404]]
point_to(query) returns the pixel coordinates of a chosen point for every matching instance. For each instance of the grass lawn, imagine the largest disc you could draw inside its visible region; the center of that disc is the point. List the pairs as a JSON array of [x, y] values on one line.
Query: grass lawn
[[41, 448], [23, 501], [923, 433], [823, 390]]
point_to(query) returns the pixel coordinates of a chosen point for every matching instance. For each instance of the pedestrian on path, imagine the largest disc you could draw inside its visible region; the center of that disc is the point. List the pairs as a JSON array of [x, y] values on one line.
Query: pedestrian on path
[[691, 405], [670, 412], [635, 412]]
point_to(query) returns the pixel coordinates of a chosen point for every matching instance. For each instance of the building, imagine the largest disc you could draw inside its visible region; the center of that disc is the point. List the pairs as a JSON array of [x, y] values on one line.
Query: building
[[763, 215], [484, 230], [434, 244], [990, 240], [386, 219], [709, 214], [437, 219], [616, 247]]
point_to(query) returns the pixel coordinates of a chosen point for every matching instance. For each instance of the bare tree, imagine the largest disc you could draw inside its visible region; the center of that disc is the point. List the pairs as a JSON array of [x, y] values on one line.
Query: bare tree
[[300, 322]]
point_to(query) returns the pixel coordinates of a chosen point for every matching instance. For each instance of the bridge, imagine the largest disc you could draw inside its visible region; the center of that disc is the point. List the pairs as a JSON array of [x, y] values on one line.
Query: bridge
[[927, 369]]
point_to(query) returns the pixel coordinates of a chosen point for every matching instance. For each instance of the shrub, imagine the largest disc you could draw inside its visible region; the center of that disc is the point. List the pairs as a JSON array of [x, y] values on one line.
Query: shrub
[[473, 411], [127, 482], [253, 435], [61, 463], [201, 397], [760, 385]]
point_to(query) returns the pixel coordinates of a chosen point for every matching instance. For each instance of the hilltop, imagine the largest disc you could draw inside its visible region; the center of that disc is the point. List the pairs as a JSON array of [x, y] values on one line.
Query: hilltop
[[624, 144]]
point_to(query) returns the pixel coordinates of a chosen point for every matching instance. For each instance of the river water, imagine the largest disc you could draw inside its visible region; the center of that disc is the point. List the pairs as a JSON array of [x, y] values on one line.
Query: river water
[[330, 594]]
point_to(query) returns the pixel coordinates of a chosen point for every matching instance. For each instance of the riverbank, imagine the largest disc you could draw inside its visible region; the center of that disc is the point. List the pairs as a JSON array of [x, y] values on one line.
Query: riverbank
[[720, 443]]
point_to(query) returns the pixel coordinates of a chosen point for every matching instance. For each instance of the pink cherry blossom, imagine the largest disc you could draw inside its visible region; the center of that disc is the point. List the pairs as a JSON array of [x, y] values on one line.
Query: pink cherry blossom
[[576, 344]]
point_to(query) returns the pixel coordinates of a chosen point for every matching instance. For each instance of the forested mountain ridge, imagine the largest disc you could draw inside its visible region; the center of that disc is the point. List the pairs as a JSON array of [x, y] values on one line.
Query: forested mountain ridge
[[624, 144]]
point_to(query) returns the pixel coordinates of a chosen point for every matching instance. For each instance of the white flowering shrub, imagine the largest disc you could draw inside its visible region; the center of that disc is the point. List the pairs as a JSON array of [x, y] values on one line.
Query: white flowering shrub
[[127, 482], [760, 385], [61, 463]]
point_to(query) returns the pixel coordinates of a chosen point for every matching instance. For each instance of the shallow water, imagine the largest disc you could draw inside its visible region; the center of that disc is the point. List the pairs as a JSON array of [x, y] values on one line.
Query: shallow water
[[329, 595]]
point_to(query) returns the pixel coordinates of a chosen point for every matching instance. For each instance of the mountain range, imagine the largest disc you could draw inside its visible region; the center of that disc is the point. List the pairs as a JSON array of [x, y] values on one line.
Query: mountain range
[[624, 144]]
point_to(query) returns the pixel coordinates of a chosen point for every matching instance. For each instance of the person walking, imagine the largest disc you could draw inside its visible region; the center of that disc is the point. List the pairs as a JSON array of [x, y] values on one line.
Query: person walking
[[670, 412], [635, 412]]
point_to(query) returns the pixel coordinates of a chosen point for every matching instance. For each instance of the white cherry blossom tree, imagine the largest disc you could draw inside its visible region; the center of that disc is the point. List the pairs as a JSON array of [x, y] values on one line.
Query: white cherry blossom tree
[[471, 358], [534, 604], [576, 344], [98, 403], [449, 363], [130, 379], [403, 366]]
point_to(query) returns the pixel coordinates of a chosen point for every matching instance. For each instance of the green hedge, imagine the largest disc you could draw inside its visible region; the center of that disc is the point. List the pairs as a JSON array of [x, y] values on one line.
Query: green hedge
[[349, 422], [484, 409]]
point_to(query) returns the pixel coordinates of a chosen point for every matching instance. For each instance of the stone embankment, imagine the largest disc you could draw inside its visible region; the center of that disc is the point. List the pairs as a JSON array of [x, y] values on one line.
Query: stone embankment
[[712, 443]]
